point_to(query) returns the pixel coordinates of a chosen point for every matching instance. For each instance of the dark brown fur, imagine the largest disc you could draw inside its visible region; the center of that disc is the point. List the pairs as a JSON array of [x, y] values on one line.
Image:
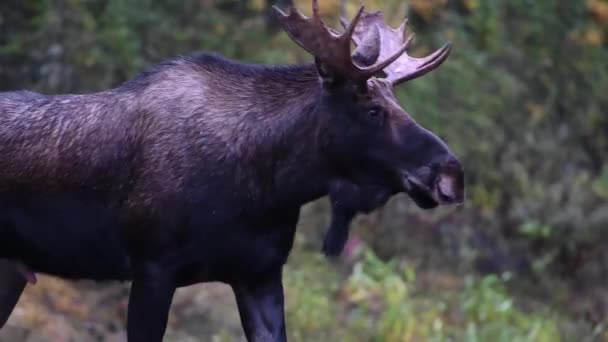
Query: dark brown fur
[[195, 171]]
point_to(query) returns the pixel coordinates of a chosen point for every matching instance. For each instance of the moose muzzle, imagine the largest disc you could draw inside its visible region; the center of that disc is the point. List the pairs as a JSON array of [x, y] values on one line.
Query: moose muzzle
[[430, 186], [433, 174]]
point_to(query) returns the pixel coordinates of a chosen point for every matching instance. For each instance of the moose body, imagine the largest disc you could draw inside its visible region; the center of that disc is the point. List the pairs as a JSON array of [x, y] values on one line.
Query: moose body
[[125, 184], [196, 170], [97, 179]]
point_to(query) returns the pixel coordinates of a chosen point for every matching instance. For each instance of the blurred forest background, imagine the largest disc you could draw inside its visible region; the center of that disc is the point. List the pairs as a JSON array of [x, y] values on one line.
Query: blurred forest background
[[523, 100]]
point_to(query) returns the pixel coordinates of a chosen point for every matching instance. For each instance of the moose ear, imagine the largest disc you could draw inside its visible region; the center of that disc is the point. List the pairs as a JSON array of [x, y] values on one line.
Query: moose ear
[[330, 78]]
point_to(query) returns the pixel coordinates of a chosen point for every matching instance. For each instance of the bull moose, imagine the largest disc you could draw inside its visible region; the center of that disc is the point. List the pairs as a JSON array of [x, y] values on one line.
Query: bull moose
[[196, 169]]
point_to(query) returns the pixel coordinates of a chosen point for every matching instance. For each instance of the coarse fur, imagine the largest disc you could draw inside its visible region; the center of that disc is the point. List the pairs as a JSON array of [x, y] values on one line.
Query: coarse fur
[[196, 171], [81, 171]]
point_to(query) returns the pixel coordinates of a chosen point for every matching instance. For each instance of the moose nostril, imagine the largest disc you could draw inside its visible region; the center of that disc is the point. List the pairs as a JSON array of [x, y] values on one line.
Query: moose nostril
[[445, 198], [449, 189]]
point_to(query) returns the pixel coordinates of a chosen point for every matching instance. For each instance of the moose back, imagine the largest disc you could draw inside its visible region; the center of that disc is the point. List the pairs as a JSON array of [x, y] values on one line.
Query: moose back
[[196, 169]]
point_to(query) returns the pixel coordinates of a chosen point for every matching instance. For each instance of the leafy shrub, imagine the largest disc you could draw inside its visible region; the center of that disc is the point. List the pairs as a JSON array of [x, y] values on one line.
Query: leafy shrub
[[382, 301]]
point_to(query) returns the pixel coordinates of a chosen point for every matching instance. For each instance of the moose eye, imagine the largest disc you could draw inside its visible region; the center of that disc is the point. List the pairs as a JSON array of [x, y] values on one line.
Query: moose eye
[[374, 115]]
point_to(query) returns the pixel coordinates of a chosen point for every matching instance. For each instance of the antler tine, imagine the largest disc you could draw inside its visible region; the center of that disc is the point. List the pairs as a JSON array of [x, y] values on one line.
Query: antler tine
[[387, 45], [315, 9], [409, 39], [403, 30], [344, 22], [374, 69], [348, 33], [328, 45], [422, 65], [404, 67], [403, 27]]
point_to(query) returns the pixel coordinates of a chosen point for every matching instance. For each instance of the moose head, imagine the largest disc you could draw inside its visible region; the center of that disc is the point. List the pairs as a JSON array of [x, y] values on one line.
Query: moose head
[[370, 139]]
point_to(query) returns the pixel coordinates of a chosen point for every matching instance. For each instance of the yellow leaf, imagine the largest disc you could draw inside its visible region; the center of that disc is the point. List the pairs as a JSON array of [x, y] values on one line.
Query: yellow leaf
[[427, 9], [471, 5], [599, 10], [593, 37], [537, 111], [257, 5]]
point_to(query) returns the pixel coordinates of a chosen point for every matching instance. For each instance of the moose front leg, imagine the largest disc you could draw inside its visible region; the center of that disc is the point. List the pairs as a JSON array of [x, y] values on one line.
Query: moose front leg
[[150, 299], [12, 284], [261, 307]]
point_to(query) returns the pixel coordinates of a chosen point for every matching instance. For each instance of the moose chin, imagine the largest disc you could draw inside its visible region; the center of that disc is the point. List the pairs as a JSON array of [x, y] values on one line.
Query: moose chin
[[196, 169]]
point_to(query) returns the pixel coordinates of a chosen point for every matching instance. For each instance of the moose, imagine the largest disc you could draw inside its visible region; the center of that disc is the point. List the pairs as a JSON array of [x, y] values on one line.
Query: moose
[[196, 169]]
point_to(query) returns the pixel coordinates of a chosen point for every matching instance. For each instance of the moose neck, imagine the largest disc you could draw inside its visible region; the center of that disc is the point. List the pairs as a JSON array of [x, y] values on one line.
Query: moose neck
[[290, 150], [256, 127]]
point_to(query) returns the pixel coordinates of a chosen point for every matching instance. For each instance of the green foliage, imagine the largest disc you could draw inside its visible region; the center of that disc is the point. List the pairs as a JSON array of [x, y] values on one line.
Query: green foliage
[[381, 301], [383, 293], [492, 315], [308, 291]]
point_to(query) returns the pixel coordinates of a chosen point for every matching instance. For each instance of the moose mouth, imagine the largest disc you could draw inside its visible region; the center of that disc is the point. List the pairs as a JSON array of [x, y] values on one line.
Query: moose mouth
[[444, 189]]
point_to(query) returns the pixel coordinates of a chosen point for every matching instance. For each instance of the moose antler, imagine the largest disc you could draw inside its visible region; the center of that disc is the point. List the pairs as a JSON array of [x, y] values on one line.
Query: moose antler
[[334, 49], [405, 68]]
